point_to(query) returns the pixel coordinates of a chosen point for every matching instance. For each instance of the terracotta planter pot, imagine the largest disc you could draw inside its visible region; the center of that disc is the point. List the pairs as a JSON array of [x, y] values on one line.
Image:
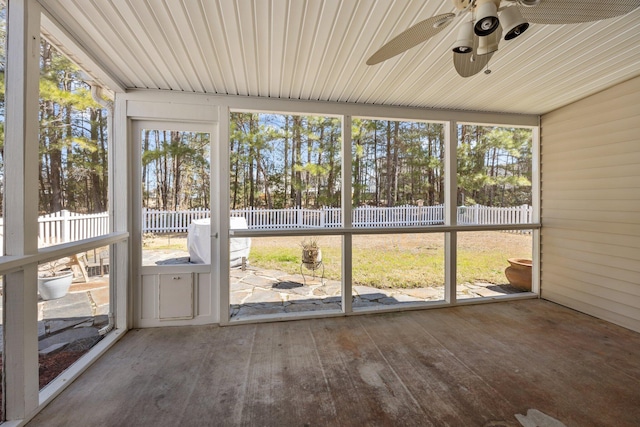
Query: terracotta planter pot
[[519, 273]]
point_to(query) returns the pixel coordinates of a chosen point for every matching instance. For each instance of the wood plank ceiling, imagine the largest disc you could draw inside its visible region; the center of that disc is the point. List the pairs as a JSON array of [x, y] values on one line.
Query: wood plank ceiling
[[316, 50]]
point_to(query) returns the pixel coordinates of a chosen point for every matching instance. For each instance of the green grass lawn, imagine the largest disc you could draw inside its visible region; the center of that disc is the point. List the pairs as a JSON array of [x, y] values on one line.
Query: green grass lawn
[[401, 261], [389, 260]]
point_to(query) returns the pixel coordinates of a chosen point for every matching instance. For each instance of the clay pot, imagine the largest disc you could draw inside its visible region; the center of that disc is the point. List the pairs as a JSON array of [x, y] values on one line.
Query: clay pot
[[519, 273]]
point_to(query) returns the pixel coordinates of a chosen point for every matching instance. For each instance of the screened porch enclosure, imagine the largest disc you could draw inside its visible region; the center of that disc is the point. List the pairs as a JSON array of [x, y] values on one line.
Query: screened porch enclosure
[[306, 211], [385, 247]]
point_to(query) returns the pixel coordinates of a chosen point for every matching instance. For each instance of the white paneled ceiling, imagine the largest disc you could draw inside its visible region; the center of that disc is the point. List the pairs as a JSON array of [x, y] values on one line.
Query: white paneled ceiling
[[316, 50]]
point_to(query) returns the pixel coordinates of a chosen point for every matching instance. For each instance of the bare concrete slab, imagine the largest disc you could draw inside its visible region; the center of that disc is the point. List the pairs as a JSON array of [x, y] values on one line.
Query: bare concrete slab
[[72, 305]]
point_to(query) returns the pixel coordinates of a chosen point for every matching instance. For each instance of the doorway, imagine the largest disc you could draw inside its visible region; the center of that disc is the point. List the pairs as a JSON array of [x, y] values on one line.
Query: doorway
[[173, 220]]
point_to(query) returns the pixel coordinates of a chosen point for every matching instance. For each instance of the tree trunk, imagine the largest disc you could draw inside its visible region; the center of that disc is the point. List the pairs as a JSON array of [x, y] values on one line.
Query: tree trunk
[[375, 163], [285, 156], [177, 169], [396, 166], [389, 168], [297, 142], [94, 175]]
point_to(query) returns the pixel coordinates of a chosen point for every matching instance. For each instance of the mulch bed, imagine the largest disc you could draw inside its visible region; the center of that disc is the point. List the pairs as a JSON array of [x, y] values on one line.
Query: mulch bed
[[50, 366]]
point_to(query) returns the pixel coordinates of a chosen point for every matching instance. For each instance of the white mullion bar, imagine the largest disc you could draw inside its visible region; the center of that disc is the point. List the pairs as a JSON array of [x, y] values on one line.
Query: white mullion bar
[[346, 216], [119, 214], [450, 209], [338, 231], [535, 206], [220, 214], [134, 134], [20, 324]]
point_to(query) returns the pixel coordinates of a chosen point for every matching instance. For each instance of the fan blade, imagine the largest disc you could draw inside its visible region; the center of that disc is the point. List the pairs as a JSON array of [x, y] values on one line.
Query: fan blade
[[576, 11], [411, 37], [470, 64]]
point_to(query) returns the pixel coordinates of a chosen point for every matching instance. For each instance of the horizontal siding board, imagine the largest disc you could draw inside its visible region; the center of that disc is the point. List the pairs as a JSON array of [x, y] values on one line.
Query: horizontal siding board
[[564, 127], [565, 172], [596, 184], [615, 98], [629, 253], [595, 160], [593, 126], [608, 121], [555, 251], [550, 217], [622, 140], [623, 246], [607, 278], [591, 195], [590, 205], [598, 205], [598, 295], [565, 297], [602, 226]]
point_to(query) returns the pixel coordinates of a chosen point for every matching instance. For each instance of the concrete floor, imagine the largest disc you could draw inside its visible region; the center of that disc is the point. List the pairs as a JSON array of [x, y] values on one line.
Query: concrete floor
[[480, 365]]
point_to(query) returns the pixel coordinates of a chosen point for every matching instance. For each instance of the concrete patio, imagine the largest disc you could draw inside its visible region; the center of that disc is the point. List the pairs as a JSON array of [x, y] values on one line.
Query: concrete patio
[[72, 323], [258, 291]]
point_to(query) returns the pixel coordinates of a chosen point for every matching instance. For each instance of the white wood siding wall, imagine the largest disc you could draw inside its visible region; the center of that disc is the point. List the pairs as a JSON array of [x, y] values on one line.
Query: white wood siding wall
[[590, 248]]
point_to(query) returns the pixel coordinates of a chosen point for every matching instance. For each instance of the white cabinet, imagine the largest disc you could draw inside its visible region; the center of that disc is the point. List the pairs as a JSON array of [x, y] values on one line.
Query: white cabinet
[[175, 296]]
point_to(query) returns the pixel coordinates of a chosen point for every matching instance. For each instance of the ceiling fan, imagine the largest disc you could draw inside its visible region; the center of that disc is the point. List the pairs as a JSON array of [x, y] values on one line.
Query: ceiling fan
[[491, 21]]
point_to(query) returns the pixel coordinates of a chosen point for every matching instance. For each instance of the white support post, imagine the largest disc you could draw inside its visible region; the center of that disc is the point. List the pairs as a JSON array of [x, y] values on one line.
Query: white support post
[[122, 258], [21, 208], [347, 216], [119, 214], [450, 209]]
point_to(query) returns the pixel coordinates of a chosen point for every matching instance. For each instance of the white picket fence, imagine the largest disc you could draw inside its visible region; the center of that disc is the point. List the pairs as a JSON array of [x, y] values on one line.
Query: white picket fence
[[478, 214], [156, 221], [65, 226]]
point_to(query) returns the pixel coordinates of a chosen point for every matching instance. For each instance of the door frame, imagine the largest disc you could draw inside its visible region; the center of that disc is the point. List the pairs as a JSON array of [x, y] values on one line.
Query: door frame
[[138, 271]]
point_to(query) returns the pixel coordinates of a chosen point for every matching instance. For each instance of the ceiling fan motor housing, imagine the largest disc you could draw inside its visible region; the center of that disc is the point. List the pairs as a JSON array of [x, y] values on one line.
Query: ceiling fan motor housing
[[461, 4]]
